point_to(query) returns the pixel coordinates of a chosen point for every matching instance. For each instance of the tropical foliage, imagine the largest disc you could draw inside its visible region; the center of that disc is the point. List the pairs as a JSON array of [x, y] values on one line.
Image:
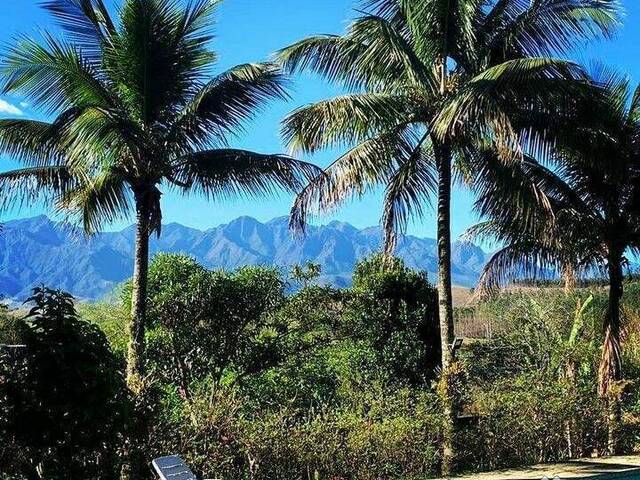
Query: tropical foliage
[[323, 382], [435, 87], [135, 108], [588, 221], [62, 394], [253, 374]]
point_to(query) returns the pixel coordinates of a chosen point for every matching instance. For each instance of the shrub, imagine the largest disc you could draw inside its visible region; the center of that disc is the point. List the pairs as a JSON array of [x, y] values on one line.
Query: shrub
[[537, 376], [11, 332], [111, 319], [395, 310], [380, 433], [540, 331], [65, 398], [211, 323], [531, 419], [342, 392], [250, 380]]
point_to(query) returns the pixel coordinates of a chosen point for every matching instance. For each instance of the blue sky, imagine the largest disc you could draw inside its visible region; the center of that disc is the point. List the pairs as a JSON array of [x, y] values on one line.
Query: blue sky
[[250, 30]]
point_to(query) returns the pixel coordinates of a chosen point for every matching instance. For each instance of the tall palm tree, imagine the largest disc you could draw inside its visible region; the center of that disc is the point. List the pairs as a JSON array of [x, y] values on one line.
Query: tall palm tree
[[426, 79], [593, 190], [135, 109]]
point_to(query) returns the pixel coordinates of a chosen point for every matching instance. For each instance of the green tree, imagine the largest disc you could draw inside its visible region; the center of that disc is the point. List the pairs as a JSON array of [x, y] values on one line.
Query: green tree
[[9, 326], [587, 218], [307, 273], [212, 325], [427, 79], [395, 310], [65, 396], [135, 109]]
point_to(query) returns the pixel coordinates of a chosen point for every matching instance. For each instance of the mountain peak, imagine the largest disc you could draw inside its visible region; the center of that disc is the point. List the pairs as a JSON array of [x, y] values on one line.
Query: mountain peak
[[342, 226], [283, 220], [244, 219], [37, 220]]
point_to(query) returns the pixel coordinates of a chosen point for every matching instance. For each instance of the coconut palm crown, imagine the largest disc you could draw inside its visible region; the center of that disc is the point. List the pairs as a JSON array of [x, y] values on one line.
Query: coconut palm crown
[[592, 185], [135, 108]]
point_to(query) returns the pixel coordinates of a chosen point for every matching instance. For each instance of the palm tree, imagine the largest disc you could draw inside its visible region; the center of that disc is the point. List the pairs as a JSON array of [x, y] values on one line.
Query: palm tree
[[135, 109], [593, 190], [426, 79]]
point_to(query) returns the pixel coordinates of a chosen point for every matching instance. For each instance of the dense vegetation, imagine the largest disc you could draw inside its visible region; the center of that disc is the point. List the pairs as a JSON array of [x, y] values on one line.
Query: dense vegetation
[[256, 374], [435, 89], [251, 374]]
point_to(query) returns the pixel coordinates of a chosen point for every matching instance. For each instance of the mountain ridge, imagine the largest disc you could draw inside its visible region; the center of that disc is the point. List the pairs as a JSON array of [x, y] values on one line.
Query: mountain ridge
[[39, 250]]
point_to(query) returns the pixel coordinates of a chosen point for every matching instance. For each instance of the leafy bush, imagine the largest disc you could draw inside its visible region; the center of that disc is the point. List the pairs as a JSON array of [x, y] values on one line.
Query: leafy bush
[[111, 319], [212, 324], [341, 393], [532, 418], [379, 433], [10, 327], [331, 405], [543, 331], [395, 310], [64, 396], [534, 393]]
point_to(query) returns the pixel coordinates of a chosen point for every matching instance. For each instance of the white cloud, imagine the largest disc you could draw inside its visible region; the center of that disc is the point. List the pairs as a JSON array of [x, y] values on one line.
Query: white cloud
[[24, 104], [7, 108]]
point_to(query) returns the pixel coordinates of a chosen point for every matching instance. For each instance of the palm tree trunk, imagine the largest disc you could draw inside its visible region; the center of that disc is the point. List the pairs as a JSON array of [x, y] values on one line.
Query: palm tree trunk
[[610, 370], [445, 303], [445, 298], [569, 276], [133, 461], [570, 424], [136, 328]]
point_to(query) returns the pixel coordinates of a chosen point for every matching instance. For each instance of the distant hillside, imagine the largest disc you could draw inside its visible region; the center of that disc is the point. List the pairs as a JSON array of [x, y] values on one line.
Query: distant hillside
[[37, 250]]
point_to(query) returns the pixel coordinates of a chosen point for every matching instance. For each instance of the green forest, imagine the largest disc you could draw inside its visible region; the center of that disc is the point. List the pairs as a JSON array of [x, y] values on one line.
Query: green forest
[[265, 373]]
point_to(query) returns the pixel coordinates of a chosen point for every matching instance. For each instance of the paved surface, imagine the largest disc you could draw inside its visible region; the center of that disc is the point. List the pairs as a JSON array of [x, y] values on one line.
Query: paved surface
[[593, 468]]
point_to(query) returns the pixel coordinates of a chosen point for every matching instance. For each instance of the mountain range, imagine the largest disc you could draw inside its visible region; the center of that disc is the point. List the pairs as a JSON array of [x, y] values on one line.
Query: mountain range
[[38, 250]]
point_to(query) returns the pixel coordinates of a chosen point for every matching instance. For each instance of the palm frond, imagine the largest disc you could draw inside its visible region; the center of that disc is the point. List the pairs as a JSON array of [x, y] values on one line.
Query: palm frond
[[490, 102], [438, 28], [525, 258], [196, 20], [372, 55], [87, 23], [634, 108], [451, 26], [55, 76], [408, 192], [528, 198], [327, 55], [76, 138], [369, 164], [27, 186], [520, 28], [344, 120], [98, 139], [222, 106], [100, 200], [386, 48], [388, 9], [225, 173], [31, 142], [159, 56]]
